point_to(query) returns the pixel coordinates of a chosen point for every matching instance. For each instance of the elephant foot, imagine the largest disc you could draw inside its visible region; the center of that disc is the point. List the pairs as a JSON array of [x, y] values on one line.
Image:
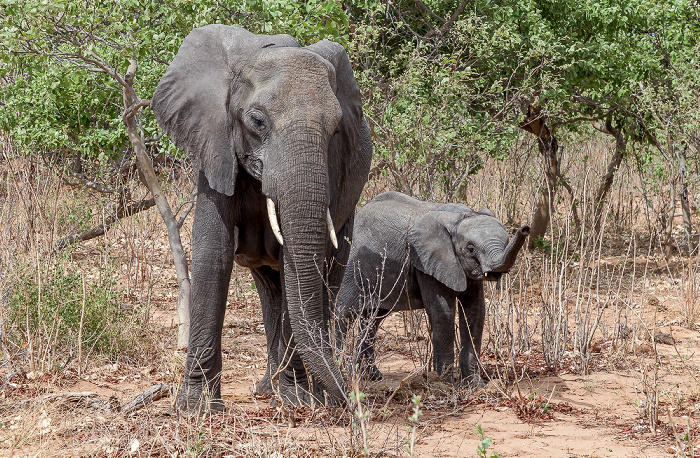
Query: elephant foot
[[264, 386], [473, 381], [297, 396], [447, 374], [372, 373], [295, 392], [194, 400]]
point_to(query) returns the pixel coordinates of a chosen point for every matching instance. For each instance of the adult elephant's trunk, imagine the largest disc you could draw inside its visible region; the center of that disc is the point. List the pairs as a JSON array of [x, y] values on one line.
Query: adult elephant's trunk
[[511, 251], [303, 209]]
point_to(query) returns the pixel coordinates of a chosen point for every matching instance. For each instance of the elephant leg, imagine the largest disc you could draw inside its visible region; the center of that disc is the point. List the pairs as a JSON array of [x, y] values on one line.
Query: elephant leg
[[213, 245], [472, 311], [440, 304], [367, 335], [268, 285], [338, 261]]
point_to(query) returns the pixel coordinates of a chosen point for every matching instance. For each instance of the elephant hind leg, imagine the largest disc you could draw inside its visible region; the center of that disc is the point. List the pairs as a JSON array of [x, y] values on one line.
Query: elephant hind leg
[[367, 336]]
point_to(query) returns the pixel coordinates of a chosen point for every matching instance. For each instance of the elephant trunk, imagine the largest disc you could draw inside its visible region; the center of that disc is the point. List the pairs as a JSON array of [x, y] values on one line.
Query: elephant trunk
[[511, 251], [303, 210]]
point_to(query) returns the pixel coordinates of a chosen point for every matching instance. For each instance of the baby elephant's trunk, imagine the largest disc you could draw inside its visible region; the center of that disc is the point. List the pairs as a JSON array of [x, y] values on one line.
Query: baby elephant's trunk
[[511, 251]]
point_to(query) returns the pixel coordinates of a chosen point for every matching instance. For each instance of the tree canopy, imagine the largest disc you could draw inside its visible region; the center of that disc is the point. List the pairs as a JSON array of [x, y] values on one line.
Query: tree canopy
[[446, 84]]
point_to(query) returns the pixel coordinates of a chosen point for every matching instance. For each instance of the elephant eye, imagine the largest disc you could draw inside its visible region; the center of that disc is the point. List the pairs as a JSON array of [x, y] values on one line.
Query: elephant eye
[[470, 248], [257, 122]]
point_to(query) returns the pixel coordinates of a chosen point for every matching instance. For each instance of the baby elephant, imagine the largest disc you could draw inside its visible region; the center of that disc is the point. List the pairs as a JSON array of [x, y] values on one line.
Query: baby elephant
[[408, 254]]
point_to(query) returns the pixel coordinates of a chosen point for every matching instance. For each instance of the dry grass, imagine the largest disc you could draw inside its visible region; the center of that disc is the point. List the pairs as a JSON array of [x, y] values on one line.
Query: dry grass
[[568, 337]]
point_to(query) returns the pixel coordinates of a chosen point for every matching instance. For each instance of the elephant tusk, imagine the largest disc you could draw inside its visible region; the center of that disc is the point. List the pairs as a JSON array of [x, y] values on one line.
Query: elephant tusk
[[331, 229], [272, 216], [486, 274]]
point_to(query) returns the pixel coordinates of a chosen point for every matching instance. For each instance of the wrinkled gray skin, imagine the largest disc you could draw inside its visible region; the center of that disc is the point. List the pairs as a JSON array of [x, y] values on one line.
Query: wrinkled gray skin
[[263, 117], [413, 255]]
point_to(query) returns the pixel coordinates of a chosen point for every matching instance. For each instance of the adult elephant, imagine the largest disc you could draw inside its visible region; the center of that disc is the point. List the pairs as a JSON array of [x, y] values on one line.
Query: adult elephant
[[276, 132]]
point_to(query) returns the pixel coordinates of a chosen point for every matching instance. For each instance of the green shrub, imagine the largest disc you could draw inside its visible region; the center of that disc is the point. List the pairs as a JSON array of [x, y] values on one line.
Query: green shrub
[[48, 307]]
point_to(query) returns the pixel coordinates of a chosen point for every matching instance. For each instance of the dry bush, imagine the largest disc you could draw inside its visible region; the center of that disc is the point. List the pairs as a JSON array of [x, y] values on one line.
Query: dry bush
[[581, 302]]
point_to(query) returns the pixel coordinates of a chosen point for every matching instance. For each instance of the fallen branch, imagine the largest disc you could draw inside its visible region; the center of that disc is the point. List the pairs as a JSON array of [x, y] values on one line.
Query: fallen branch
[[149, 396], [84, 398], [101, 229]]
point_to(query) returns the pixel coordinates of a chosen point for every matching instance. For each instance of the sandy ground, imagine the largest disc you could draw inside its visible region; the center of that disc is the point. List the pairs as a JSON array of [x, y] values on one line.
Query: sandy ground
[[558, 413]]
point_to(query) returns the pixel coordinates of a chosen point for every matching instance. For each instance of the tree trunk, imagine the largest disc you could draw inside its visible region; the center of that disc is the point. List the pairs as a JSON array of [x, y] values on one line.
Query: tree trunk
[[685, 205], [670, 214], [131, 104], [613, 165], [537, 123]]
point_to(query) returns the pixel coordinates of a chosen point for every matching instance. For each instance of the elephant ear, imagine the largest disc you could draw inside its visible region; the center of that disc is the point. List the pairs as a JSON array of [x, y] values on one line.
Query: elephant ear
[[191, 100], [350, 150], [432, 249], [348, 92]]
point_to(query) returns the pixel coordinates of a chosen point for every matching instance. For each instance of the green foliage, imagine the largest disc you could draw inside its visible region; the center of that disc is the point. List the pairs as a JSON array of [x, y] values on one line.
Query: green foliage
[[308, 21], [443, 95], [442, 86], [542, 244], [414, 418], [447, 106], [48, 307], [59, 60], [484, 445]]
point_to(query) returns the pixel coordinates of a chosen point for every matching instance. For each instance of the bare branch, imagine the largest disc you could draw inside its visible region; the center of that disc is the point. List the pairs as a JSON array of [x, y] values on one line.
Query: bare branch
[[133, 109], [94, 185], [188, 209], [427, 10], [591, 119], [152, 139], [102, 229], [446, 26]]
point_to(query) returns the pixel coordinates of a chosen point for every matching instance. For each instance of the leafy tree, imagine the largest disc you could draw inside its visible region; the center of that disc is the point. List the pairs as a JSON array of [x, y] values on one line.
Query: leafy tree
[[564, 64]]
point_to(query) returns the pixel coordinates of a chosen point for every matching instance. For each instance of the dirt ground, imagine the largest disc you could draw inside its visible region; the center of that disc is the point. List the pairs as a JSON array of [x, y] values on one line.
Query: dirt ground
[[558, 412]]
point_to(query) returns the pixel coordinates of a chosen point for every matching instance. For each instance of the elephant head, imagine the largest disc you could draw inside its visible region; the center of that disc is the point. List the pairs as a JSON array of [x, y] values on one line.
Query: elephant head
[[455, 245], [262, 106]]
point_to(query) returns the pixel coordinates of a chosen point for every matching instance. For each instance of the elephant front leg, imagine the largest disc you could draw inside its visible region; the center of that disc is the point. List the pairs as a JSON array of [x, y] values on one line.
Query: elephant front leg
[[472, 311], [268, 284], [439, 304], [213, 239]]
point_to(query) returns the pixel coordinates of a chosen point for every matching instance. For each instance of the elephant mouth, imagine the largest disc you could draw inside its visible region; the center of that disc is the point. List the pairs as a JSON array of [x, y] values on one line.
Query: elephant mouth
[[272, 216], [492, 276]]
